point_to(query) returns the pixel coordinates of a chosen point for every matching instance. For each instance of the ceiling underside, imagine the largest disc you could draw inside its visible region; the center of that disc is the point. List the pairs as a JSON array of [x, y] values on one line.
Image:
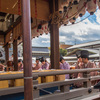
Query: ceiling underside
[[39, 8]]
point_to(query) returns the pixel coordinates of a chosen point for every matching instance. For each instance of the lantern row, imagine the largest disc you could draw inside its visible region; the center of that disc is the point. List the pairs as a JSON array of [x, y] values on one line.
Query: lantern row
[[70, 10]]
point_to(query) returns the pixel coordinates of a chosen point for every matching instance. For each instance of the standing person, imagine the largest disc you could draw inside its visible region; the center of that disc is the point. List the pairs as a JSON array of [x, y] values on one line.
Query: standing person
[[65, 66], [44, 65], [37, 66]]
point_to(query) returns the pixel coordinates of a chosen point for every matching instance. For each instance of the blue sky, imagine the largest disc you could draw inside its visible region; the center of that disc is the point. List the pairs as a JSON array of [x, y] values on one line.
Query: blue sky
[[85, 31]]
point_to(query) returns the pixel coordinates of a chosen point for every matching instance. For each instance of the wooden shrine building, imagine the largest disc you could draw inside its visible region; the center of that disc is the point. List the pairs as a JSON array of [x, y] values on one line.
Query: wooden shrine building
[[27, 19]]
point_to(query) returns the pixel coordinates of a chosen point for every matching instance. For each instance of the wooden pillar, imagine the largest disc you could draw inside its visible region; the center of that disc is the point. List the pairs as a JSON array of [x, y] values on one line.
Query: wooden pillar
[[54, 38], [15, 55], [7, 52], [27, 50]]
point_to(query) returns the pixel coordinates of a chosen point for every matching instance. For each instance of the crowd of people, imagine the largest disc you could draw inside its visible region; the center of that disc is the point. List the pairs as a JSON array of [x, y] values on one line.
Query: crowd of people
[[43, 64]]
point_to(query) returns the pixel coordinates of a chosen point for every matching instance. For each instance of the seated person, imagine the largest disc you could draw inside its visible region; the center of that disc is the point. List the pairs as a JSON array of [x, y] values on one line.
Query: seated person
[[65, 66], [37, 66], [20, 65], [86, 62], [44, 65], [79, 65], [2, 67]]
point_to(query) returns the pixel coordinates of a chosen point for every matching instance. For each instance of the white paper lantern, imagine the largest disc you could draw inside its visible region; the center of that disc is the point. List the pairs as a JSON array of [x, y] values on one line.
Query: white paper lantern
[[65, 3], [65, 21], [33, 35], [40, 30], [69, 15], [60, 6], [72, 21], [45, 28], [75, 12], [36, 32], [82, 7], [91, 6]]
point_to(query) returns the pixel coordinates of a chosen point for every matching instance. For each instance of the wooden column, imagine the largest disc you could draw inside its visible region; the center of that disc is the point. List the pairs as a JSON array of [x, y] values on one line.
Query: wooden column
[[7, 52], [27, 50], [15, 55], [54, 38]]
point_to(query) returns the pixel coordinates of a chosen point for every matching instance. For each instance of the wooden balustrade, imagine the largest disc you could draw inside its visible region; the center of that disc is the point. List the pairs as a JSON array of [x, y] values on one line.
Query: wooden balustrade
[[64, 93]]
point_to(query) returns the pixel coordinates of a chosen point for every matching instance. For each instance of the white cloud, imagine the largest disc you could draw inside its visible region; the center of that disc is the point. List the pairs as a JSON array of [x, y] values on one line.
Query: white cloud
[[87, 30], [98, 16], [45, 41]]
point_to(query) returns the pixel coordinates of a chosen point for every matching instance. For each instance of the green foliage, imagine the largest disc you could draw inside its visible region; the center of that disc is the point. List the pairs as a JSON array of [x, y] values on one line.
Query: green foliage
[[63, 52]]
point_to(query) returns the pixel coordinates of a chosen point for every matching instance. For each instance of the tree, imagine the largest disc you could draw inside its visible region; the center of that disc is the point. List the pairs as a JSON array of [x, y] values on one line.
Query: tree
[[63, 52]]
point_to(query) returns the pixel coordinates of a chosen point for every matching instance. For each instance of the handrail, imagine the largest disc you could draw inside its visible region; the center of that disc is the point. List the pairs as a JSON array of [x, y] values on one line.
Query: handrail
[[12, 90], [67, 72], [67, 95], [39, 74]]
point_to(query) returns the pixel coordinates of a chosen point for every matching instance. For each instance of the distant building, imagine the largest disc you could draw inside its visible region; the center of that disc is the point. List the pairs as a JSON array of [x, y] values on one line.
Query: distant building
[[36, 52], [88, 45], [93, 48], [40, 52]]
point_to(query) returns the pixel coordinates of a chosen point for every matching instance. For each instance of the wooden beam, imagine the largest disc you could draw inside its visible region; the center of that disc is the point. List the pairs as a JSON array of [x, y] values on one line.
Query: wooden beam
[[15, 54], [27, 50], [14, 24], [54, 37]]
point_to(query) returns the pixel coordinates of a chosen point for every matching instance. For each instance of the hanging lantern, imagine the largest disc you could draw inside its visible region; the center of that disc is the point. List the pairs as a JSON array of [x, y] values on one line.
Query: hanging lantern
[[36, 32], [65, 3], [65, 22], [69, 15], [98, 3], [40, 30], [60, 6], [45, 28], [33, 34], [82, 7], [75, 12], [91, 6], [72, 21]]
